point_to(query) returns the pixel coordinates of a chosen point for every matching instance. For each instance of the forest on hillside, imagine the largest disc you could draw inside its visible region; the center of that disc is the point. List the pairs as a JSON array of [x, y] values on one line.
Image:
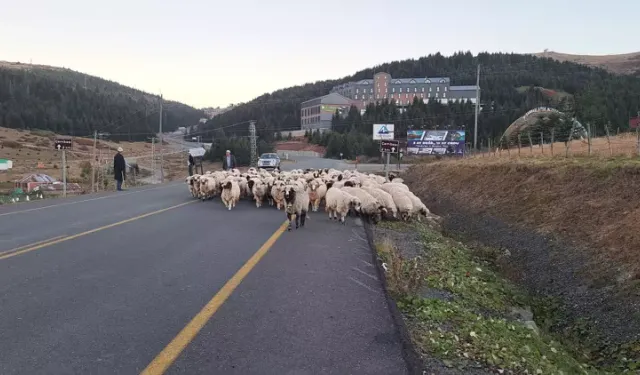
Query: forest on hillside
[[68, 102], [590, 94]]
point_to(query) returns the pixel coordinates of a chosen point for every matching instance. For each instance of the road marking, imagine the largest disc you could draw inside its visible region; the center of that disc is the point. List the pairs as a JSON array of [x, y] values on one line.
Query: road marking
[[85, 200], [364, 285], [30, 245], [170, 353], [364, 273], [63, 239]]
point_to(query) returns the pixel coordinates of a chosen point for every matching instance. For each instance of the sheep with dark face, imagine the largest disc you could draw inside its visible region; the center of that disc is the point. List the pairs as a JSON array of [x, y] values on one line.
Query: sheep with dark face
[[296, 202]]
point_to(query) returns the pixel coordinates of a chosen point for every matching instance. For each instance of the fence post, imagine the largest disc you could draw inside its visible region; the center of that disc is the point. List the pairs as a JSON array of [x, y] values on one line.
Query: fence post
[[542, 142], [569, 139], [606, 128], [589, 137], [519, 143], [553, 131], [530, 143], [638, 139]]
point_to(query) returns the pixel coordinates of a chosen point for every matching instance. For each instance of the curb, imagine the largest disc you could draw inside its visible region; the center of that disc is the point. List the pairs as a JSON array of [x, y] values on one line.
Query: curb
[[409, 352]]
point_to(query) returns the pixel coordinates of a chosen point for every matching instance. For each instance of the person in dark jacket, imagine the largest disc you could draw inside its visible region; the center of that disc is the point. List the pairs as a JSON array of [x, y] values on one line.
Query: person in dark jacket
[[119, 169], [229, 161], [191, 164]]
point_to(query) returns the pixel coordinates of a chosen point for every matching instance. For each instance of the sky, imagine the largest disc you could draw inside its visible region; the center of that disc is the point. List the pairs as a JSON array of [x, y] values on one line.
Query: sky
[[213, 53]]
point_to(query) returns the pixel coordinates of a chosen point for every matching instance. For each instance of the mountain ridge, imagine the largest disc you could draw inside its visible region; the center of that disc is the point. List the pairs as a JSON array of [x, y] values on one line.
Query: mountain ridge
[[624, 63]]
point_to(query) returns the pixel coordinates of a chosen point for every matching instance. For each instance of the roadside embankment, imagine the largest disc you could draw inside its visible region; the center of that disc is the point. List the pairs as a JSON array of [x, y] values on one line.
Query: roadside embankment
[[567, 231]]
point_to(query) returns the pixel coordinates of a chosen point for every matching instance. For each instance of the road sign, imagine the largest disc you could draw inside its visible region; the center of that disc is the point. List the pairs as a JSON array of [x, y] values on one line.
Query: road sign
[[197, 152], [383, 132], [390, 146], [63, 144]]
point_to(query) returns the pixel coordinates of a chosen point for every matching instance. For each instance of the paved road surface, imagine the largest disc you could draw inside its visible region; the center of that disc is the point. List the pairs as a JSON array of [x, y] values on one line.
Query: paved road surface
[[118, 277]]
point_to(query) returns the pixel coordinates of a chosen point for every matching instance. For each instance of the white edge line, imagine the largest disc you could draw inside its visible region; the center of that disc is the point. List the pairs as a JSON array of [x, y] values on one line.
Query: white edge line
[[364, 273], [363, 285], [82, 201]]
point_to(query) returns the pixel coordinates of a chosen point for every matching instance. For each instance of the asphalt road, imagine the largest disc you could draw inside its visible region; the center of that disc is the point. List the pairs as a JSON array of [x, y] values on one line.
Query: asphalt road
[[101, 284]]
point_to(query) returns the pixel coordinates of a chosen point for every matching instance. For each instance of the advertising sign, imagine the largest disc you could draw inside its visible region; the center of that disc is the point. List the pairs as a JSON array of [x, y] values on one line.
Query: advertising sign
[[435, 142], [331, 108], [383, 132]]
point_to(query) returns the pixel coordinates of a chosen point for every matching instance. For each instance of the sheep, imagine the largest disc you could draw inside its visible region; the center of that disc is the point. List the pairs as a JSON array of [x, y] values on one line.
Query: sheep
[[402, 201], [230, 193], [258, 189], [340, 202], [277, 193], [384, 198], [370, 206], [296, 203], [317, 190]]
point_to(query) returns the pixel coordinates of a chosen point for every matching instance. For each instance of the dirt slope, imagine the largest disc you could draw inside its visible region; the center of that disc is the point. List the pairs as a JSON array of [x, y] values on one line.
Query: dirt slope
[[627, 63], [571, 226]]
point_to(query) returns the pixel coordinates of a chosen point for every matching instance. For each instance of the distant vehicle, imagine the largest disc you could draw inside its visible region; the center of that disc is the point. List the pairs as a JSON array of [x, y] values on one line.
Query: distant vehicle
[[269, 161]]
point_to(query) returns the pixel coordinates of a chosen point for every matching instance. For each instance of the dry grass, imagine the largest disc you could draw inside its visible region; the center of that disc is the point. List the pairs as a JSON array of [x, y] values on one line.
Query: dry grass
[[624, 144], [32, 152], [590, 200], [404, 276]]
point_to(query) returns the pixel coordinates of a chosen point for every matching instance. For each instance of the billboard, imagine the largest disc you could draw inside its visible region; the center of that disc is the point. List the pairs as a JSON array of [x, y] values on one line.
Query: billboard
[[435, 142], [382, 132], [331, 108]]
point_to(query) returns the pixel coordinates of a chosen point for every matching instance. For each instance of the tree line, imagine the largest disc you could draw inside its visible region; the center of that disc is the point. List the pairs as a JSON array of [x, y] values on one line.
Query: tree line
[[68, 102], [511, 85]]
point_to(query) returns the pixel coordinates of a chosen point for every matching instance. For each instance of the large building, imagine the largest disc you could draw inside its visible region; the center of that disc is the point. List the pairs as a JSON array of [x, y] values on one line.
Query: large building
[[382, 86], [404, 90], [318, 112]]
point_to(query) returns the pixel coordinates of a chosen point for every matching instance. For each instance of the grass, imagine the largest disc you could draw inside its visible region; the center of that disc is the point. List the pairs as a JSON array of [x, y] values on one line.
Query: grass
[[475, 325]]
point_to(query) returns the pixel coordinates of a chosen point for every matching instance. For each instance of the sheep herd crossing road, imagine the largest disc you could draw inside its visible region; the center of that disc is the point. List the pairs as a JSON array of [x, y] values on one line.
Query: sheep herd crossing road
[[152, 280], [298, 192]]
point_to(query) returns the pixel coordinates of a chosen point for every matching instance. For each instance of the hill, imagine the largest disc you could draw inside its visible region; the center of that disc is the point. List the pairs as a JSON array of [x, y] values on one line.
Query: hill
[[627, 63], [69, 102], [597, 95]]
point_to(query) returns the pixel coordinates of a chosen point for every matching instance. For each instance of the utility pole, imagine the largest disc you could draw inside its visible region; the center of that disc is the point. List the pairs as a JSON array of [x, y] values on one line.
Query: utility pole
[[254, 146], [475, 126], [161, 141], [153, 157], [64, 173], [93, 162]]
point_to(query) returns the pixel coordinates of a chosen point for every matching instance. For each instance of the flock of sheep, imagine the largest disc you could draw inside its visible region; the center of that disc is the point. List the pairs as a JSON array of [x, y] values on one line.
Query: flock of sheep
[[300, 191]]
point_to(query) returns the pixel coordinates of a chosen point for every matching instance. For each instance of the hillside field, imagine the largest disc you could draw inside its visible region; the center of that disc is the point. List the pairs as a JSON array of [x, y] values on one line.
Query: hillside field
[[626, 63], [32, 152], [569, 226]]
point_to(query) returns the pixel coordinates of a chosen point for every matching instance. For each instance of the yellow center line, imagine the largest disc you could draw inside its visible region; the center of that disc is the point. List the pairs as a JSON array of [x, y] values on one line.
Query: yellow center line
[[30, 245], [170, 353], [63, 239]]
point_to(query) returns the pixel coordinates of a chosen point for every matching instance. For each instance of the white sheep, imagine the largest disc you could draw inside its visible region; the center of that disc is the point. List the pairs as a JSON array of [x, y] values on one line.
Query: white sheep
[[370, 206], [230, 193], [340, 202], [384, 198], [258, 189], [277, 194]]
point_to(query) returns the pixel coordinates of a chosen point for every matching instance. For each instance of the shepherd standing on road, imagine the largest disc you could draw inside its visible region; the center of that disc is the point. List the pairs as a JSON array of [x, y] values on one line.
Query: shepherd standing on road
[[119, 169], [191, 164], [229, 161]]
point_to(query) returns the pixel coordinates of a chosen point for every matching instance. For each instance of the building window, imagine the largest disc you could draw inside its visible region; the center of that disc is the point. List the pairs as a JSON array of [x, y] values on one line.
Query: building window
[[356, 97], [436, 95], [393, 89], [445, 88], [415, 89], [371, 90], [423, 89], [427, 80], [422, 95], [438, 88], [400, 89], [412, 81], [406, 96], [444, 94], [429, 89], [357, 91]]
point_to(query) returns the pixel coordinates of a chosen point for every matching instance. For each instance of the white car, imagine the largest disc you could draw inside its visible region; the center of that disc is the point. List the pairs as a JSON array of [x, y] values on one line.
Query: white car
[[269, 161]]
